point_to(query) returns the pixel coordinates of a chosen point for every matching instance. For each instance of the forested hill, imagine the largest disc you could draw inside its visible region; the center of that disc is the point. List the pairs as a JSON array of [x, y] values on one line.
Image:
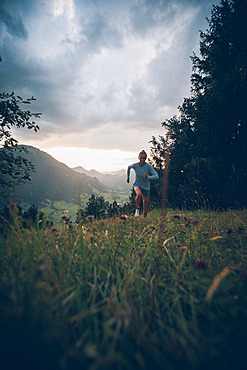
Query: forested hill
[[55, 181]]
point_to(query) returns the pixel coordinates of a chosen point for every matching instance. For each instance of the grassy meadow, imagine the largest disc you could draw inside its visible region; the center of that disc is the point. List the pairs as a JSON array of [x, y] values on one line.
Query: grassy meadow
[[165, 292], [53, 209]]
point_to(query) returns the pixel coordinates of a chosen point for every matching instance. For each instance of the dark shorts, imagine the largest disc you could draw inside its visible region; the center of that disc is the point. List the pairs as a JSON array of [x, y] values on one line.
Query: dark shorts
[[145, 192]]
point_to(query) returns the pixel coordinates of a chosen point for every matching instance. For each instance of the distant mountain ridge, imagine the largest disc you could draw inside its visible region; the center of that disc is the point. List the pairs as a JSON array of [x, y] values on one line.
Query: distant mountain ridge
[[112, 179], [55, 181]]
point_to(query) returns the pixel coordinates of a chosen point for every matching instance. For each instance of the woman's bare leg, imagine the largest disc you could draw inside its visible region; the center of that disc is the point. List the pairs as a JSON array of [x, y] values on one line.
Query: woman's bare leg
[[145, 205], [138, 197]]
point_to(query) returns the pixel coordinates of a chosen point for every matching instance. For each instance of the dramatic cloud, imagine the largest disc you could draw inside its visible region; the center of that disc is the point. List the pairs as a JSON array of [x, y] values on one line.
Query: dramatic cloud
[[105, 73]]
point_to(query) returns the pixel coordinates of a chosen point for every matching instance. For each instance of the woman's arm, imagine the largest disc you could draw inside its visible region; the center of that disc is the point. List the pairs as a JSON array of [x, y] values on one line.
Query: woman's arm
[[128, 172], [154, 175]]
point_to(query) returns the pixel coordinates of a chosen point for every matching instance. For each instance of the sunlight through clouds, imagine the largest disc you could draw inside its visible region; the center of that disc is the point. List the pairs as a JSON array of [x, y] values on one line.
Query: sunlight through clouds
[[66, 7], [105, 73], [100, 160]]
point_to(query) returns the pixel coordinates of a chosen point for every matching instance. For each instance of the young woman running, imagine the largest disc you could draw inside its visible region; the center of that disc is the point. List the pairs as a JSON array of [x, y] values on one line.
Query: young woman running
[[144, 173]]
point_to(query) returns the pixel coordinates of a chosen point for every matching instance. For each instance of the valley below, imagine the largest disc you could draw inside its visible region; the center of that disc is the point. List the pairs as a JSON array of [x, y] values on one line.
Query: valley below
[[56, 188]]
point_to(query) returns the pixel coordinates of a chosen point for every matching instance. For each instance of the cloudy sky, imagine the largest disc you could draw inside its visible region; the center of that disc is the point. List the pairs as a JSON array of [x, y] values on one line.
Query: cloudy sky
[[105, 73]]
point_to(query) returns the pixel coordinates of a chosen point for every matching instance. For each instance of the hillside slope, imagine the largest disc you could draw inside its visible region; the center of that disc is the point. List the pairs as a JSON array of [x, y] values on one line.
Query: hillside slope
[[55, 181]]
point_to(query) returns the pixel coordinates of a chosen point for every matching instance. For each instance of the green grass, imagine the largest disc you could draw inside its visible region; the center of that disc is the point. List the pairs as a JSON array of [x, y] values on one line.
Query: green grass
[[127, 294], [55, 209]]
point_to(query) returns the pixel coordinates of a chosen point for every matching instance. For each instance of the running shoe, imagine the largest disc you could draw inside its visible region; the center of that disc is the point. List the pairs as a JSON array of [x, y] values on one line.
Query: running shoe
[[137, 212]]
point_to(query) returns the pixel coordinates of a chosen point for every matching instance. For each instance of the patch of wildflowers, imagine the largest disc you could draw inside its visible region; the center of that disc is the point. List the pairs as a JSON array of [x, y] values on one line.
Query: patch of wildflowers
[[199, 265], [228, 230], [191, 221]]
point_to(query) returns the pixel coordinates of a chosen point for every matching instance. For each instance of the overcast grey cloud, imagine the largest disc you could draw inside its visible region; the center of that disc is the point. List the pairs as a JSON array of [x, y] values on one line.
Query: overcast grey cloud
[[105, 73]]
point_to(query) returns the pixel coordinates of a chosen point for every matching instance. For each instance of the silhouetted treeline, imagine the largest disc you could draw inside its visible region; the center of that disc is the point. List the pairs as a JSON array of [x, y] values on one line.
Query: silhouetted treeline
[[13, 214], [98, 208], [206, 145]]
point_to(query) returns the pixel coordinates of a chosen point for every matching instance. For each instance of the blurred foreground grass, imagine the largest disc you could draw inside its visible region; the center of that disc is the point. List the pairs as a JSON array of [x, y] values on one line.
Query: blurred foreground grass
[[166, 292]]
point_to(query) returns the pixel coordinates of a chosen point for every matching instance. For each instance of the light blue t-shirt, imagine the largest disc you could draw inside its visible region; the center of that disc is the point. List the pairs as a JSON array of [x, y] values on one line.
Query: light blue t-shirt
[[139, 171]]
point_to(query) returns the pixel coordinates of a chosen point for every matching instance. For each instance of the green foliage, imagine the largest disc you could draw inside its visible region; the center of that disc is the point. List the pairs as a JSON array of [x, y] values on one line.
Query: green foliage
[[126, 294], [13, 115], [33, 215], [113, 209], [29, 218], [207, 142], [99, 208], [13, 167], [96, 206]]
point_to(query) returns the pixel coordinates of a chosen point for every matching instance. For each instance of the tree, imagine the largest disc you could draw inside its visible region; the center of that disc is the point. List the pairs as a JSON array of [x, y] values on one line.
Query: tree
[[99, 208], [13, 167], [96, 206], [113, 209], [208, 141], [12, 214]]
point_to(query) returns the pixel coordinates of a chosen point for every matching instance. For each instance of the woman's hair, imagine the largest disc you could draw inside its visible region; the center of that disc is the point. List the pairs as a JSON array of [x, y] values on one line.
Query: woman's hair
[[142, 152]]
